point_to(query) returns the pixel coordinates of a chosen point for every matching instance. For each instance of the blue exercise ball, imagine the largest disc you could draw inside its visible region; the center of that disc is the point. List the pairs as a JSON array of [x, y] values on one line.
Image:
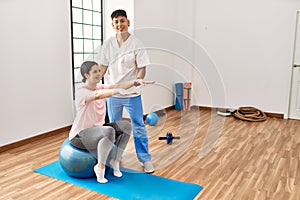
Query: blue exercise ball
[[152, 119], [76, 162]]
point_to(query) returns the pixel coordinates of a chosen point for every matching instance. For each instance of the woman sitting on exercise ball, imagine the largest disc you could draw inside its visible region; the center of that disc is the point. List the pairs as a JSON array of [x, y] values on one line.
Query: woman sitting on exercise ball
[[89, 130]]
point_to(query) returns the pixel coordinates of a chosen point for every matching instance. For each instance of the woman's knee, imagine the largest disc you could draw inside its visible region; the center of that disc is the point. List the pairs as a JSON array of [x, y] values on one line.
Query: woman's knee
[[123, 126], [126, 126], [110, 133]]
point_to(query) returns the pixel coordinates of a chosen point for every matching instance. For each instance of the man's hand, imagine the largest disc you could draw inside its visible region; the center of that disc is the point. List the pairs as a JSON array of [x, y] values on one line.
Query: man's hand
[[139, 82]]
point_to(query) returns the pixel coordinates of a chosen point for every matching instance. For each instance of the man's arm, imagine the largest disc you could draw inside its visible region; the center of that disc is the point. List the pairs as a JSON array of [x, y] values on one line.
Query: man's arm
[[141, 73], [103, 69]]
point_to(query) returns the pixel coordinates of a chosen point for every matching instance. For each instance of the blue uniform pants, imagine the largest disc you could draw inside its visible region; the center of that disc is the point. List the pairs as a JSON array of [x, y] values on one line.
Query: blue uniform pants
[[134, 108]]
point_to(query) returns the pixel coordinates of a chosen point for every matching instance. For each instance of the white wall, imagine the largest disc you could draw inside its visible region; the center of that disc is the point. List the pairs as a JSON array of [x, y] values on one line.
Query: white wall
[[35, 55], [250, 43]]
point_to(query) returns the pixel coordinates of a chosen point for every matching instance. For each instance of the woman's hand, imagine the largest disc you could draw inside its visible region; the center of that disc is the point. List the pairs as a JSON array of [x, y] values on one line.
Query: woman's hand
[[125, 92]]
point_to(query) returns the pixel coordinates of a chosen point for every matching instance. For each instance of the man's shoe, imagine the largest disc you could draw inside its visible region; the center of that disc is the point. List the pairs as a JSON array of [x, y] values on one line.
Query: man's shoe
[[148, 167]]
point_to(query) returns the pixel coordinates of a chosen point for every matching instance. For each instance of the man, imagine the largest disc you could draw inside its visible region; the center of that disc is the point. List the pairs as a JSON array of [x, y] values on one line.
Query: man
[[124, 58]]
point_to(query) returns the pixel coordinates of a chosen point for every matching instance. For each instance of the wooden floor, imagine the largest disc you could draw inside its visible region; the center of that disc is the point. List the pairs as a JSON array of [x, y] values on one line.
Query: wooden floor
[[251, 160]]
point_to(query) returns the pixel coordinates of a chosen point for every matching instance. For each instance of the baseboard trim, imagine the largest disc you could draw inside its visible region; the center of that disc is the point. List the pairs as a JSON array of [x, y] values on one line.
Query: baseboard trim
[[275, 115], [269, 114], [34, 138], [207, 108]]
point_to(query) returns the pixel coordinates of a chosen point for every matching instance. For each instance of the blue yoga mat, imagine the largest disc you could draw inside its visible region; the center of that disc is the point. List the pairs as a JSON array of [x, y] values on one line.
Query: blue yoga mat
[[179, 94], [132, 185]]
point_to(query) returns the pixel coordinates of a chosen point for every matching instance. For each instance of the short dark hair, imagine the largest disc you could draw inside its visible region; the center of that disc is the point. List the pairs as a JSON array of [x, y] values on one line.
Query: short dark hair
[[118, 13], [86, 68]]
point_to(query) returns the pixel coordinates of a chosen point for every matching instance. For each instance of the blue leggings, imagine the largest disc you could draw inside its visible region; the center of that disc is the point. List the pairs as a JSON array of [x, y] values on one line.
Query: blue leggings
[[134, 108]]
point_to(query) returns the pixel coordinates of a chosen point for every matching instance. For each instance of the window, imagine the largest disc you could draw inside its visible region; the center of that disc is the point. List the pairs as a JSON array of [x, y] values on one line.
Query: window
[[87, 33]]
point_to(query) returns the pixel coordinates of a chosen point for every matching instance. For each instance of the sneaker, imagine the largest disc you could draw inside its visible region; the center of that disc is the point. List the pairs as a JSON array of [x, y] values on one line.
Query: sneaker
[[148, 167]]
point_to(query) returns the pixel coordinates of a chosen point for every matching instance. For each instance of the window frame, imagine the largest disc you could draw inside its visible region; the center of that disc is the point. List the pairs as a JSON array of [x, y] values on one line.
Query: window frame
[[87, 28]]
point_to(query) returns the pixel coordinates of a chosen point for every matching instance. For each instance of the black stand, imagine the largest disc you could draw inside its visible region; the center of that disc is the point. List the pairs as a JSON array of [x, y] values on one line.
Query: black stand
[[169, 138]]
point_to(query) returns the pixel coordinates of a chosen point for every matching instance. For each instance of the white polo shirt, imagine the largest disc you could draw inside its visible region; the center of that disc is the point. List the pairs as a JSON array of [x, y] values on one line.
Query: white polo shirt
[[123, 61]]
